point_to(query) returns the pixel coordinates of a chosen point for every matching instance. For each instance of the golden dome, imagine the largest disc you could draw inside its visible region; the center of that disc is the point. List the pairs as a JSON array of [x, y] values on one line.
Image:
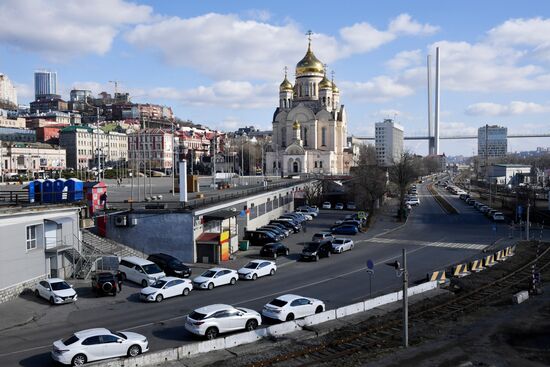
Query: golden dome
[[296, 125], [309, 64], [286, 86], [335, 88], [325, 83]]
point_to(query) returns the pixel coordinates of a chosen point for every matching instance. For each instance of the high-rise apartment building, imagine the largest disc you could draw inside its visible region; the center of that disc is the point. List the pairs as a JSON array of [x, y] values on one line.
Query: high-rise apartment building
[[45, 83], [492, 141], [388, 142], [8, 94]]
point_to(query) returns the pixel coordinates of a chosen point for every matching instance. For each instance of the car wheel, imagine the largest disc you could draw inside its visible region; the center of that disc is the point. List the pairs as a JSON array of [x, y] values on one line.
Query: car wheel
[[287, 251], [251, 325], [319, 309], [144, 283], [210, 286], [78, 360], [272, 272], [275, 255], [290, 317], [351, 247], [211, 333], [134, 350], [233, 281], [36, 293], [254, 276], [159, 298], [185, 292], [52, 301]]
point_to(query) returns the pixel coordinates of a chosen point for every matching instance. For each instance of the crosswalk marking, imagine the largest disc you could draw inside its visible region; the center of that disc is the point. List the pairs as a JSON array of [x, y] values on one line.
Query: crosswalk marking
[[458, 245]]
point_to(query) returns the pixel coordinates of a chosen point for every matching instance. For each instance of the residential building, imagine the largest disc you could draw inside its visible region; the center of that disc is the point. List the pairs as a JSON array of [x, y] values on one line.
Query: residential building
[[492, 141], [50, 118], [8, 93], [41, 242], [86, 146], [441, 160], [18, 122], [32, 159], [388, 137], [151, 148], [80, 95], [49, 134], [47, 104], [193, 145], [45, 84], [508, 174], [309, 125], [14, 134]]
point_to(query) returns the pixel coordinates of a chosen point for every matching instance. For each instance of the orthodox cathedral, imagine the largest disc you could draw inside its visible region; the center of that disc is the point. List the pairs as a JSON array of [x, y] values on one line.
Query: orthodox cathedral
[[310, 124]]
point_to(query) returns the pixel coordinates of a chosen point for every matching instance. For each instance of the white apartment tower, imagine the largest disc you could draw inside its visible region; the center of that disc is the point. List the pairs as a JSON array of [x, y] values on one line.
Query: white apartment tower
[[492, 141], [8, 94], [388, 142]]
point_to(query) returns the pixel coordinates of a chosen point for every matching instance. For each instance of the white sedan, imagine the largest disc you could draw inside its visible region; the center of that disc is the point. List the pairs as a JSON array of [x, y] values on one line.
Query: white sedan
[[257, 268], [340, 245], [95, 344], [290, 306], [166, 287], [215, 277], [210, 321], [56, 290]]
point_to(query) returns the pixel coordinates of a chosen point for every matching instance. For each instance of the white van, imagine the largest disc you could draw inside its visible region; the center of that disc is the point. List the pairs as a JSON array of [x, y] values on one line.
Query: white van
[[140, 271]]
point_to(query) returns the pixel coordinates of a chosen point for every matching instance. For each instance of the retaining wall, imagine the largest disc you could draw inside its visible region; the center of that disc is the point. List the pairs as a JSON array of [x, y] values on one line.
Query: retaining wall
[[234, 340]]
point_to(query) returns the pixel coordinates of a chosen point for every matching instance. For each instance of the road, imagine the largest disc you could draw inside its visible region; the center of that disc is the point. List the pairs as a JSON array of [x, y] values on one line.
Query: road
[[433, 240]]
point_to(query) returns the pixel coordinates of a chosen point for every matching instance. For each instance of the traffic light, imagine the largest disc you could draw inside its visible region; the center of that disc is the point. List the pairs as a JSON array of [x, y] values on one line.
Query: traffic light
[[396, 265]]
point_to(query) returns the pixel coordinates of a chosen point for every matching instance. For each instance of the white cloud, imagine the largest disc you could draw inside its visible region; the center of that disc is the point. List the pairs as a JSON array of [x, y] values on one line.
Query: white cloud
[[529, 32], [378, 89], [513, 108], [404, 24], [25, 92], [405, 59], [259, 14], [59, 29], [450, 128], [388, 114], [227, 47]]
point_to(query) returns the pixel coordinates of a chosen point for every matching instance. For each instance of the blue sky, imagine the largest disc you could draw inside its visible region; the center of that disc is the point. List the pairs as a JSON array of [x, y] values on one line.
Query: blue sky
[[220, 63]]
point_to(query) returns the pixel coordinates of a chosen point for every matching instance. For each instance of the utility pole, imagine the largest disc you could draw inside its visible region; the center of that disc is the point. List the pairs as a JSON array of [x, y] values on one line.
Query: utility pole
[[527, 225], [405, 301], [2, 162], [214, 159]]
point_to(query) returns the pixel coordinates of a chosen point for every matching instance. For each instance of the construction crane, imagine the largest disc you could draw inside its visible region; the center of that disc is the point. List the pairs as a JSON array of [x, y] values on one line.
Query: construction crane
[[115, 82]]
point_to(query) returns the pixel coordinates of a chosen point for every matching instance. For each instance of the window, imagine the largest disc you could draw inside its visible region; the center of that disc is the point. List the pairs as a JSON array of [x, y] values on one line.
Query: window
[[305, 136], [93, 340], [109, 339], [31, 237], [324, 136]]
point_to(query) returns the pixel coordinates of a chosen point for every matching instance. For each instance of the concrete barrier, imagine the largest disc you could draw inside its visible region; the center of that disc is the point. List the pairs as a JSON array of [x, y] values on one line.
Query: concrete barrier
[[421, 288], [350, 310], [284, 328], [318, 318], [244, 338], [380, 301], [520, 297]]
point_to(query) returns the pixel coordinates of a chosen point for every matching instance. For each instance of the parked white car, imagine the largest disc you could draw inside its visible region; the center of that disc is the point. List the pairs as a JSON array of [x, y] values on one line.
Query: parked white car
[[165, 288], [413, 201], [498, 217], [257, 268], [326, 205], [210, 321], [290, 306], [215, 277], [140, 271], [56, 290], [95, 344], [340, 245], [307, 211]]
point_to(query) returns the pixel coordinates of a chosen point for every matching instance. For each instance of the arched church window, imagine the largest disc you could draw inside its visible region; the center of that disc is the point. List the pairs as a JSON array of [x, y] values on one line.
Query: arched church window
[[304, 136], [324, 136], [283, 137]]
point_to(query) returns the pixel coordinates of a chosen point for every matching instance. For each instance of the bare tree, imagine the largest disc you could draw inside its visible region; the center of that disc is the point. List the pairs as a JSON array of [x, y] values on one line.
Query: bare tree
[[313, 193], [402, 174], [369, 180]]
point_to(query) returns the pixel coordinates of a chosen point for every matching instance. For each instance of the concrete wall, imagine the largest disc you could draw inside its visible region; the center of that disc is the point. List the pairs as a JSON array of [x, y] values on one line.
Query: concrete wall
[[169, 232]]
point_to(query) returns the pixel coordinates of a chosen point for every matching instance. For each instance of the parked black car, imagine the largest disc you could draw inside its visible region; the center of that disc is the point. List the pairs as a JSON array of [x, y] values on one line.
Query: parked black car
[[104, 283], [292, 225], [259, 238], [274, 249], [278, 236], [316, 250], [277, 230], [170, 265]]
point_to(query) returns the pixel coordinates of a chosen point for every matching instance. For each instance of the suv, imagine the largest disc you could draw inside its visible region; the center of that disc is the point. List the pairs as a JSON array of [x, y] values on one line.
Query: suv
[[104, 283], [316, 250], [171, 265], [322, 236], [274, 249], [259, 238], [140, 271]]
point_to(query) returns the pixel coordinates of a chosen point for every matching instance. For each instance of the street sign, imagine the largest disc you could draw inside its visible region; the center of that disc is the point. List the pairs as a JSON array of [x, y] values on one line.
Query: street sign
[[370, 264], [361, 215], [494, 227]]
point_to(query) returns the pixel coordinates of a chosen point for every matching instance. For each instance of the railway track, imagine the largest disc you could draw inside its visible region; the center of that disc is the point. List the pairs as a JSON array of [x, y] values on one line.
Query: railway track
[[385, 333]]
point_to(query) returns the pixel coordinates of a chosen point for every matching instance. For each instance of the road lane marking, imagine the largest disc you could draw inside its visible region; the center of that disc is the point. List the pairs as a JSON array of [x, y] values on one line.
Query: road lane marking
[[25, 350]]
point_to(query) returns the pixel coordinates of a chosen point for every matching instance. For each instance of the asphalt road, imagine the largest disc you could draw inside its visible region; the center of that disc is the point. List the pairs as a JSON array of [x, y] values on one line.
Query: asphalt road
[[432, 239]]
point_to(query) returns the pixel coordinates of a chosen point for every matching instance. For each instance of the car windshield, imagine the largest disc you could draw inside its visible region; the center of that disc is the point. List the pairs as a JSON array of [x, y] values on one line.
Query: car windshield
[[251, 265], [119, 334], [175, 263], [311, 247], [318, 236], [70, 340], [338, 241], [269, 247], [277, 302], [208, 274], [197, 315], [159, 284], [151, 269], [59, 286]]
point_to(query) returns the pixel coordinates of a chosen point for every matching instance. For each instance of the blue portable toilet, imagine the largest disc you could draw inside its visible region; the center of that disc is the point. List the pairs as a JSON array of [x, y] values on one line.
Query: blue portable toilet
[[37, 189], [75, 189], [60, 190], [30, 190], [48, 194]]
